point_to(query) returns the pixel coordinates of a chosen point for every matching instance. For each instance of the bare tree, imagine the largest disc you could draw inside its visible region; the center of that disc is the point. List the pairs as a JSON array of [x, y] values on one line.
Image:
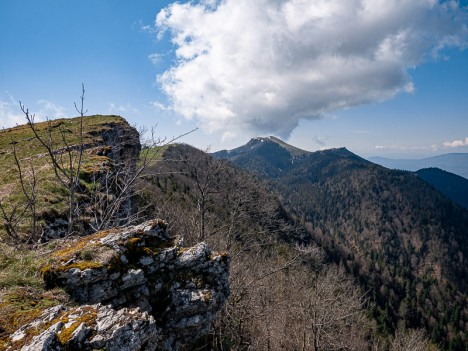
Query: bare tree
[[110, 195], [206, 177], [23, 210], [277, 306], [334, 311], [206, 174], [115, 184], [65, 161], [411, 340]]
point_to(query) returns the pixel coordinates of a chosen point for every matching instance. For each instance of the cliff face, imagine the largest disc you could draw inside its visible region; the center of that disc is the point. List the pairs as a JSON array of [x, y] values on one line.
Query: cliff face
[[134, 288], [111, 150]]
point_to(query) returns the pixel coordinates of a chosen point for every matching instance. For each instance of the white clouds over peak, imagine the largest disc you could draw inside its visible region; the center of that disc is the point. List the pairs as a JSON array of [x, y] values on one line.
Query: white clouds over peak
[[261, 66]]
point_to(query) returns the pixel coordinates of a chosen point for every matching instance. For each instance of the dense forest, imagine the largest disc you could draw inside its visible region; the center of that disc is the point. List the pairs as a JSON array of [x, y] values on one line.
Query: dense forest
[[404, 241], [279, 280], [451, 185]]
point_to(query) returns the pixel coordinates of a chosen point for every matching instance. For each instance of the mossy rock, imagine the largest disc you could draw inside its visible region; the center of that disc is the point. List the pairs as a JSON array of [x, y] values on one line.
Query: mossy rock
[[91, 252], [21, 306]]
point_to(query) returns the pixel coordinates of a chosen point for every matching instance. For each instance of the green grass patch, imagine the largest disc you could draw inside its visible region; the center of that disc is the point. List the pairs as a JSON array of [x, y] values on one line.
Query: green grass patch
[[153, 155], [51, 196], [20, 267]]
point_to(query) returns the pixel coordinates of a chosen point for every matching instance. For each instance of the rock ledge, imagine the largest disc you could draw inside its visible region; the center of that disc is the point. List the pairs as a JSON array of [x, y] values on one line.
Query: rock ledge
[[134, 288]]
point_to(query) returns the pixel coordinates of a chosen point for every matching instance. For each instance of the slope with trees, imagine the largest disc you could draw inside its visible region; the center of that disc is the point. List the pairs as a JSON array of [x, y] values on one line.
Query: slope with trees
[[449, 184], [402, 239], [285, 293]]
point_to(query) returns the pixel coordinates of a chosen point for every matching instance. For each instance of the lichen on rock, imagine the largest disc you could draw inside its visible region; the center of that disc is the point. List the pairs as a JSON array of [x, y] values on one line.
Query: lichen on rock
[[133, 288]]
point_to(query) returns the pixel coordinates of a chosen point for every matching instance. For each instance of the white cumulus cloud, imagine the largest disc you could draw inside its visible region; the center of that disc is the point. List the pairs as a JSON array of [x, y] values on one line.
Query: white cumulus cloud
[[261, 66], [456, 143]]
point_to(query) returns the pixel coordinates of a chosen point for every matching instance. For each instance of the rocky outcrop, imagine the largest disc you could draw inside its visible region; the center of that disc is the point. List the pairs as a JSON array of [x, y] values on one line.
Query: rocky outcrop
[[90, 327], [135, 288], [123, 140], [110, 155]]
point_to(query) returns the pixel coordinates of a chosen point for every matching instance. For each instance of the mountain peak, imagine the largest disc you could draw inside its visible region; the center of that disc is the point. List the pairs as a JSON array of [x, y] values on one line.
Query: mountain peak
[[292, 150], [339, 151], [268, 155]]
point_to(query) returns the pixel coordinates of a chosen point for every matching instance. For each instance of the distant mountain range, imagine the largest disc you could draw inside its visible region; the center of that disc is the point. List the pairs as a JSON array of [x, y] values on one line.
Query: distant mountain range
[[456, 163], [402, 238]]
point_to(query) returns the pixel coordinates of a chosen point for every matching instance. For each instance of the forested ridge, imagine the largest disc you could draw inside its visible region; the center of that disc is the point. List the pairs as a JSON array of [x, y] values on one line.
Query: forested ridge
[[286, 292], [404, 241], [451, 185]]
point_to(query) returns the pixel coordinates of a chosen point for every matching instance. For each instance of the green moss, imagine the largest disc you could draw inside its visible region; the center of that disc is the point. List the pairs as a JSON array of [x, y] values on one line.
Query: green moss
[[135, 249], [224, 256], [207, 296], [75, 248], [82, 265], [183, 249], [198, 281], [88, 317], [21, 306], [83, 253], [149, 246], [45, 270], [88, 254], [50, 273], [152, 251], [115, 264], [134, 242], [157, 243]]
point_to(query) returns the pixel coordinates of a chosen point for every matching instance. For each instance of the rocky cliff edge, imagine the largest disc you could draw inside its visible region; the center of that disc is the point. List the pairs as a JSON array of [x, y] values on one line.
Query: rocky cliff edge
[[133, 288]]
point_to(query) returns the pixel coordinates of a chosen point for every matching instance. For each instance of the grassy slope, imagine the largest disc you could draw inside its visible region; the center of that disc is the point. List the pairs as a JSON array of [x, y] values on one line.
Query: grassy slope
[[51, 196]]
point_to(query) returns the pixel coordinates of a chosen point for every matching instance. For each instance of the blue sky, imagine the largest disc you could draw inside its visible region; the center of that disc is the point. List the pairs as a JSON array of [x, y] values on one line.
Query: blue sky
[[379, 78]]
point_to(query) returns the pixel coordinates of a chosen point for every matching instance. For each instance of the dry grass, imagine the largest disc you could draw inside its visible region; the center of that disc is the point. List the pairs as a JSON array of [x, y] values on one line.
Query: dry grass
[[51, 199]]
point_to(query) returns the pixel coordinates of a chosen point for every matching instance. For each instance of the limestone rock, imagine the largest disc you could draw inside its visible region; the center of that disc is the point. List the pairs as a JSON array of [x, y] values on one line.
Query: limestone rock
[[90, 327], [138, 290]]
